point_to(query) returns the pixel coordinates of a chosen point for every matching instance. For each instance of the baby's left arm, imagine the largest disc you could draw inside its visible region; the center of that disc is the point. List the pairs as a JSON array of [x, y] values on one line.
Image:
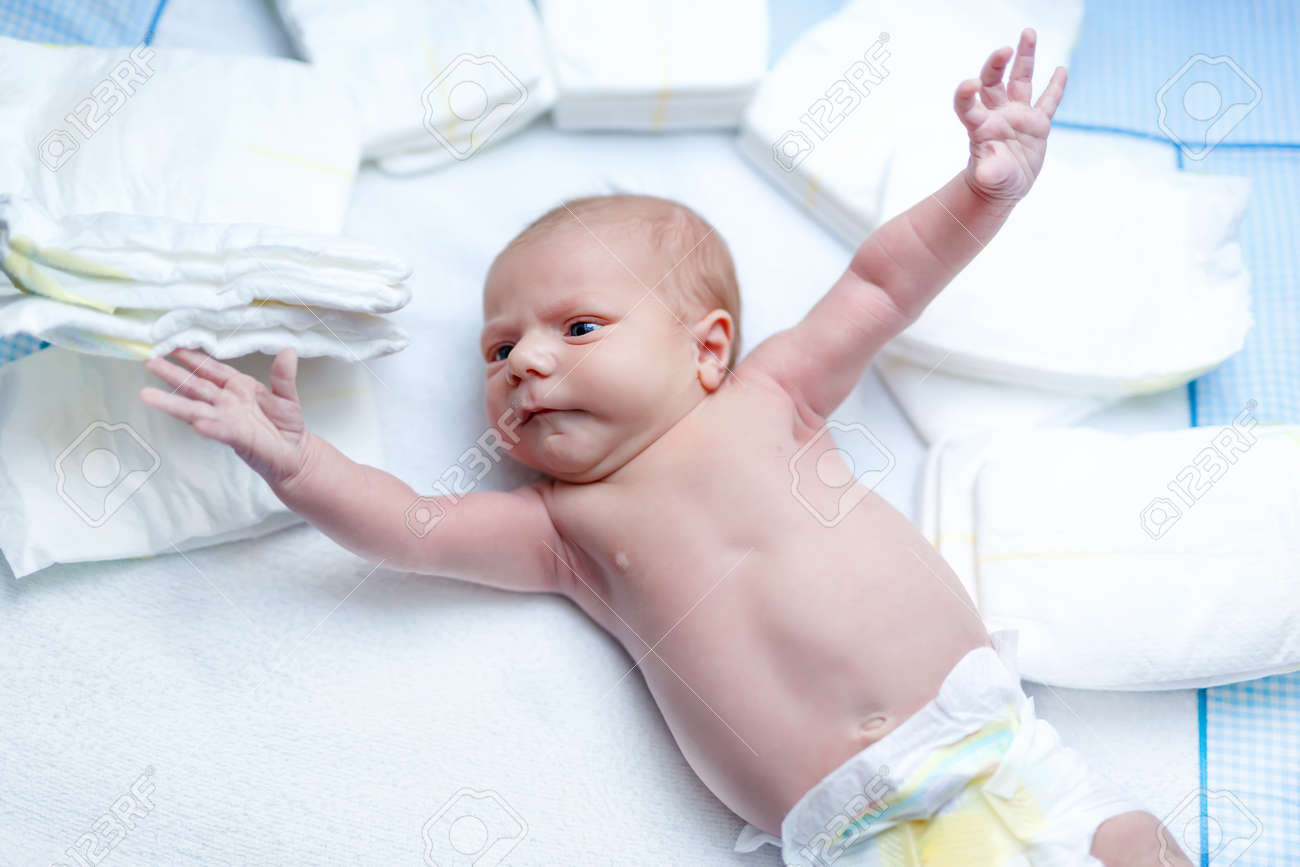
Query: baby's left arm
[[904, 264]]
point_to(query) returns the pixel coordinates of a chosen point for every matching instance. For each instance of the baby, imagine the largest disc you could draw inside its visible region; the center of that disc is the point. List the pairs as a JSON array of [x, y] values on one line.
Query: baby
[[832, 685]]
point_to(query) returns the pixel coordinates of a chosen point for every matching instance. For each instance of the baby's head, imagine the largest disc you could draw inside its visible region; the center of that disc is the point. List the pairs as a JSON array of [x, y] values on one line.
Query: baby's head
[[618, 314]]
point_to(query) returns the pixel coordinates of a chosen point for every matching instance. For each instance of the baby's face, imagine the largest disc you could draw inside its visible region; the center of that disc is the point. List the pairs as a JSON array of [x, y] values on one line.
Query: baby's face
[[591, 367]]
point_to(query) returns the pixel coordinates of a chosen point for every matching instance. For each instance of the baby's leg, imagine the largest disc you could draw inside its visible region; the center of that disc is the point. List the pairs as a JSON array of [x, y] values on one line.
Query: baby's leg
[[1133, 840]]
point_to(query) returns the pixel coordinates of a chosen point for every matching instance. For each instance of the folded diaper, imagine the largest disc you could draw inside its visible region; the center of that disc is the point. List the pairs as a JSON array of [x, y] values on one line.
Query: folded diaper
[[940, 405], [265, 140], [432, 80], [646, 65], [1150, 561], [1112, 277], [138, 287], [88, 472], [973, 777], [872, 82]]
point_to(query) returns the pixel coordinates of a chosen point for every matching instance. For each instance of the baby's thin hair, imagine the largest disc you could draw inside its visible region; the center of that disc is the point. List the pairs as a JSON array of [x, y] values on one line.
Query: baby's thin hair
[[704, 276]]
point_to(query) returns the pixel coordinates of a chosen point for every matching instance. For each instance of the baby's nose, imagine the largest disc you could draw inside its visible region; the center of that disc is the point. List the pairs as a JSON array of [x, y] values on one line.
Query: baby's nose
[[531, 357]]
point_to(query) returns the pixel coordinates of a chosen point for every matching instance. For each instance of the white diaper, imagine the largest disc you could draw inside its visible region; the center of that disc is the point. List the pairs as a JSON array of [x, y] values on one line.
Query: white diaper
[[973, 778]]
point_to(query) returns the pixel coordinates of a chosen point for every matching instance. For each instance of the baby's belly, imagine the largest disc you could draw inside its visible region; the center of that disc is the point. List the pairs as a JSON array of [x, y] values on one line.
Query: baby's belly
[[813, 647]]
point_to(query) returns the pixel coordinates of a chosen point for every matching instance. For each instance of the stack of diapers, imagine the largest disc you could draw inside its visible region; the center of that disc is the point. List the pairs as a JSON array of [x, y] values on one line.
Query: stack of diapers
[[432, 80], [875, 80], [1117, 275], [1161, 560], [265, 140], [654, 66], [139, 287]]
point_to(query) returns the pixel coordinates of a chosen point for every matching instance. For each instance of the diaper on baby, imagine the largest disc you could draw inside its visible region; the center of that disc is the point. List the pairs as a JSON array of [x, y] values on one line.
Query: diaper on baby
[[974, 778]]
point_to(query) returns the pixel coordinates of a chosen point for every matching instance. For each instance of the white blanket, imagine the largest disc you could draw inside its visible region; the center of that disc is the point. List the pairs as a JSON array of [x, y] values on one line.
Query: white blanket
[[654, 65], [432, 80], [1150, 561]]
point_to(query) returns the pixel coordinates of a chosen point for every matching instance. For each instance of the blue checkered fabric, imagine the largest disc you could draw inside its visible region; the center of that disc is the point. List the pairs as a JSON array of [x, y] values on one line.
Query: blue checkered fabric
[[73, 22], [80, 22], [1198, 60]]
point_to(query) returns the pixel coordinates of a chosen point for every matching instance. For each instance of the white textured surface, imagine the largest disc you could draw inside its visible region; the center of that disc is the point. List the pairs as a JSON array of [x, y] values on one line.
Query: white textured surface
[[282, 733]]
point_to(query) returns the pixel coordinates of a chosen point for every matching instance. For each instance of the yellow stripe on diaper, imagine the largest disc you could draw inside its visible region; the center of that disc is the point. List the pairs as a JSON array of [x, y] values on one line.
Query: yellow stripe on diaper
[[29, 278], [65, 260], [302, 161]]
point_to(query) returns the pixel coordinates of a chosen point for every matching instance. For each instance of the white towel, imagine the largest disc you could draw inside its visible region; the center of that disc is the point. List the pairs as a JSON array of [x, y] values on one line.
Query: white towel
[[1150, 561], [1112, 277], [432, 80], [872, 82], [655, 65], [265, 140]]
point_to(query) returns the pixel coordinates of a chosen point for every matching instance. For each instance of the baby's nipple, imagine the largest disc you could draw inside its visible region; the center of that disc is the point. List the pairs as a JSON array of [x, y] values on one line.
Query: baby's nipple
[[621, 561]]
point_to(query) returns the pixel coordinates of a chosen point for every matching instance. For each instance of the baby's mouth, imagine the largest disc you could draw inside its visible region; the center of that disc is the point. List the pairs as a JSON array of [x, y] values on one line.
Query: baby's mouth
[[529, 415]]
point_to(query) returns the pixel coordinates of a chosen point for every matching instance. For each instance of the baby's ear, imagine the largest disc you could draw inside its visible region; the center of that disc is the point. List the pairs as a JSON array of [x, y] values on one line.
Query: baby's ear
[[713, 333]]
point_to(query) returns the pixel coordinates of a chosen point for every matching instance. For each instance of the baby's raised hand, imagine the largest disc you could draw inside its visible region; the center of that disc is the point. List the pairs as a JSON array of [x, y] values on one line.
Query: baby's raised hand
[[1008, 136], [264, 426]]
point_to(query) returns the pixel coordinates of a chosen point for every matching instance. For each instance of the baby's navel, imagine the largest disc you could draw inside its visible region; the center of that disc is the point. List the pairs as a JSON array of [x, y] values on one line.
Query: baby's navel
[[621, 561], [872, 728]]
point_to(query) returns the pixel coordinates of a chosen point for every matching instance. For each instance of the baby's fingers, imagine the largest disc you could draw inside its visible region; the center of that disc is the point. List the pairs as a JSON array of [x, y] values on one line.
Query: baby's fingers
[[184, 382], [205, 366], [1051, 96], [1020, 86], [992, 92], [968, 108], [284, 375], [188, 411]]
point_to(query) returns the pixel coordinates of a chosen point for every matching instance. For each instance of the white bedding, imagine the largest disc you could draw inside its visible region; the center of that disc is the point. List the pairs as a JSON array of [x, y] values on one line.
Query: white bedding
[[294, 710]]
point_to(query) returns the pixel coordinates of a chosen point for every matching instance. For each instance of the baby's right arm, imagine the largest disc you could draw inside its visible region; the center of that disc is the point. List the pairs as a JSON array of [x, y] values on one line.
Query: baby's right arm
[[504, 539]]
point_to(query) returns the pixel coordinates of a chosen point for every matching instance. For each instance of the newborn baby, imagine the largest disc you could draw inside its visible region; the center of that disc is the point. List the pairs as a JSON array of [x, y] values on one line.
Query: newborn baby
[[819, 665]]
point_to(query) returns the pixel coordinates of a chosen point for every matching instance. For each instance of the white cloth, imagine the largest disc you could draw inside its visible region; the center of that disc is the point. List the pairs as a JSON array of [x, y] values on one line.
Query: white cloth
[[1085, 543], [654, 65], [872, 82], [1112, 277], [432, 80], [991, 781], [265, 140], [138, 287], [90, 473]]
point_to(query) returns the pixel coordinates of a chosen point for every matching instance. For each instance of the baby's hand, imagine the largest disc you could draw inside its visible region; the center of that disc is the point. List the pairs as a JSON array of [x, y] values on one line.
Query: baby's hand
[[264, 426], [1008, 136]]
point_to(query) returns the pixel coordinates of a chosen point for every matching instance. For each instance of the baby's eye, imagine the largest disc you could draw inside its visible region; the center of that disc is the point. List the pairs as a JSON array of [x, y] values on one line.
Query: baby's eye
[[580, 329], [500, 353]]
